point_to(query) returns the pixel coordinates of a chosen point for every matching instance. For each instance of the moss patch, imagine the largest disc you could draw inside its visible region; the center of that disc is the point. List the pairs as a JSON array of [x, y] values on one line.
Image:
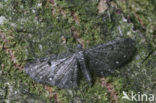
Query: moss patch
[[34, 29]]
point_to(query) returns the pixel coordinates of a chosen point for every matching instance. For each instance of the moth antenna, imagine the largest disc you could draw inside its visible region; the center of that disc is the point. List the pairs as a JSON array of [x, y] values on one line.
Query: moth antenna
[[69, 49]]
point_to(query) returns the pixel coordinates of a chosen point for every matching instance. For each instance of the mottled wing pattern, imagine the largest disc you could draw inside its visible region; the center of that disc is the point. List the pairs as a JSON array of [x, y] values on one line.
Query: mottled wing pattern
[[60, 71], [104, 58]]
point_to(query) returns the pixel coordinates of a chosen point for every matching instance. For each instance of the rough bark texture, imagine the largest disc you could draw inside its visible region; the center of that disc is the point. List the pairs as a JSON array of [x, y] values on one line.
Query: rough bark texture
[[32, 29]]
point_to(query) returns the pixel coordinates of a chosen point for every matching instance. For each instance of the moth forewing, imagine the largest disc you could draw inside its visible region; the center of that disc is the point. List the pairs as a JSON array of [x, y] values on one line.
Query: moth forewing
[[104, 58], [58, 71]]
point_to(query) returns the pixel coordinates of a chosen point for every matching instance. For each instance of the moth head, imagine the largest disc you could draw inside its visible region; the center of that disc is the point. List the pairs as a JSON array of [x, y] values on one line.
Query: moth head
[[79, 47]]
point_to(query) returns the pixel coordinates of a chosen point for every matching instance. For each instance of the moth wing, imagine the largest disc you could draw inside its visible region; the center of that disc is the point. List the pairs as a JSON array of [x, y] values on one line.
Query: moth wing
[[54, 71], [104, 58]]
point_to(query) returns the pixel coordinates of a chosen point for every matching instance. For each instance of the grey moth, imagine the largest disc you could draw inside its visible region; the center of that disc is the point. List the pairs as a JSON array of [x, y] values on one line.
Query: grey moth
[[62, 70]]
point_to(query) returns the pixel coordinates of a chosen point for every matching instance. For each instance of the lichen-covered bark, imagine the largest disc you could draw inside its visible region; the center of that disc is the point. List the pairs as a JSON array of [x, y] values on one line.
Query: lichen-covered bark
[[43, 27]]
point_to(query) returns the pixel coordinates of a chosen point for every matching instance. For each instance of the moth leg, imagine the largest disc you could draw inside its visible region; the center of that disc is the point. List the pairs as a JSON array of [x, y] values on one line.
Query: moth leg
[[83, 67]]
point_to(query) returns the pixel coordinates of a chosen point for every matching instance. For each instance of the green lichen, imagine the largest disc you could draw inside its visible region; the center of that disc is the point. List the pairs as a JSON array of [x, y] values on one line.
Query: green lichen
[[34, 29]]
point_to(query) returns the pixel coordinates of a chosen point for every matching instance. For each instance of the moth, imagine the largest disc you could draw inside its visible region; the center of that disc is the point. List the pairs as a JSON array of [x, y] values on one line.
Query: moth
[[62, 70]]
